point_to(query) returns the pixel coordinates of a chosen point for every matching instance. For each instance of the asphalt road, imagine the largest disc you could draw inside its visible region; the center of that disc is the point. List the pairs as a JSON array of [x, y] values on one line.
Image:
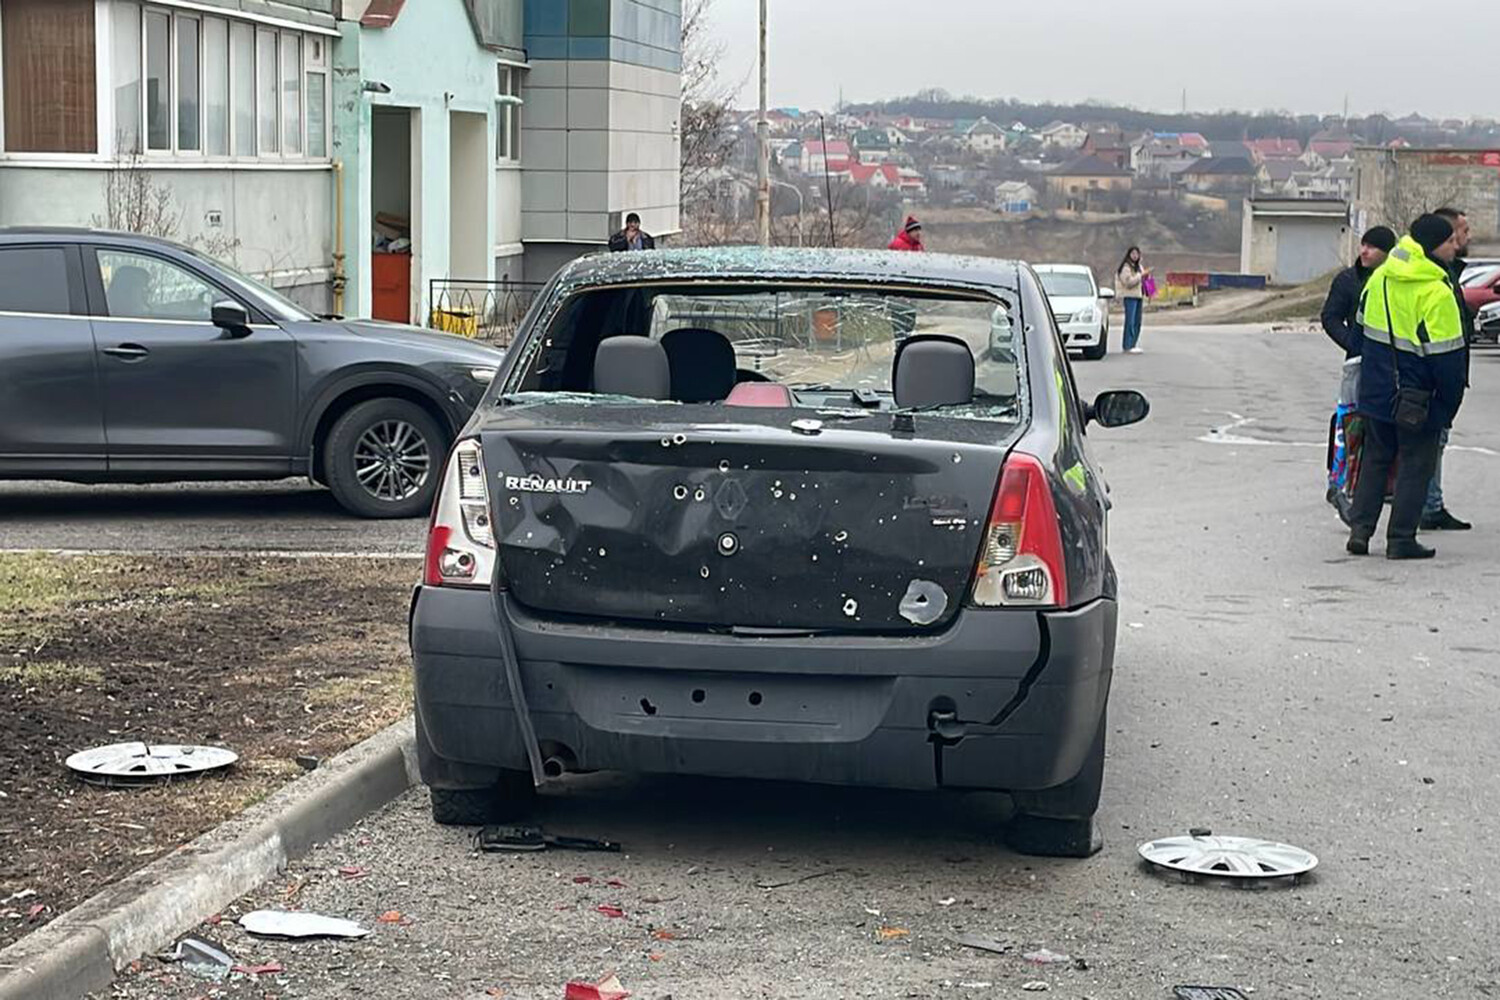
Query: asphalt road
[[1266, 685], [287, 516]]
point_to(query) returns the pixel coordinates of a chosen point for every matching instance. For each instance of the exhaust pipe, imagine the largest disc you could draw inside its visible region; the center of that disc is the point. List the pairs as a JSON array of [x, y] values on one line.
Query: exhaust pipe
[[554, 767]]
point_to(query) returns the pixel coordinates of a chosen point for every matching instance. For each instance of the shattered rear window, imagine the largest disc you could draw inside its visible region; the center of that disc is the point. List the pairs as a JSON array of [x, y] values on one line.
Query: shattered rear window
[[819, 341]]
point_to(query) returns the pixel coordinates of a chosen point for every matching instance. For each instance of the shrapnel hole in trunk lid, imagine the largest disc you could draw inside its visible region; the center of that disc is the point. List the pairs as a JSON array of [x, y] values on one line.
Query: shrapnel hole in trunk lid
[[741, 525]]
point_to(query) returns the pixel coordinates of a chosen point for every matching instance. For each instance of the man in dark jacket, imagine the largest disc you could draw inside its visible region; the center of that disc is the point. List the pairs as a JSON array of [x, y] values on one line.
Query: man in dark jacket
[[1341, 323], [1411, 383], [1435, 515], [632, 237], [1341, 309]]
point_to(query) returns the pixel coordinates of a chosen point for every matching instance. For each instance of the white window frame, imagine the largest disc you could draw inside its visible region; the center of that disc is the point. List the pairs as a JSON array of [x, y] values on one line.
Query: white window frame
[[508, 106], [306, 65], [106, 156]]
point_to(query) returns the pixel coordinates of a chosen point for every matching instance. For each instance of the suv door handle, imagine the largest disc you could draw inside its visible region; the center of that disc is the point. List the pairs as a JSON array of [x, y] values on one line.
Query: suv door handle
[[127, 352]]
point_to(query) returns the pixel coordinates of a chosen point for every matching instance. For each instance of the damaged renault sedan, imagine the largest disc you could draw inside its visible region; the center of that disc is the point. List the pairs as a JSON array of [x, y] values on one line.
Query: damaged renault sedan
[[812, 516]]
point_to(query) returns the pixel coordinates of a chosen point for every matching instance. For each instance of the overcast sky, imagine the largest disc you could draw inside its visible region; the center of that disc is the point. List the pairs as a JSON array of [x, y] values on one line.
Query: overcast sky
[[1301, 55]]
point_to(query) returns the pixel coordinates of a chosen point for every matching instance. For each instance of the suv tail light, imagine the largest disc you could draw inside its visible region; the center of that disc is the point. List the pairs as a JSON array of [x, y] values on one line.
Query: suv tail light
[[461, 537], [1021, 563]]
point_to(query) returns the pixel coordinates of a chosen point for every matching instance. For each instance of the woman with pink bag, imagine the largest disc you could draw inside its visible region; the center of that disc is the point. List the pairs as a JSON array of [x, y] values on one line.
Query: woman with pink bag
[[1133, 284]]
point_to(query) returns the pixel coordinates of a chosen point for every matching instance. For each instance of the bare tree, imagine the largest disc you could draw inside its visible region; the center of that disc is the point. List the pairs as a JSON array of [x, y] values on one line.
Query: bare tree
[[707, 141], [1409, 195], [135, 203]]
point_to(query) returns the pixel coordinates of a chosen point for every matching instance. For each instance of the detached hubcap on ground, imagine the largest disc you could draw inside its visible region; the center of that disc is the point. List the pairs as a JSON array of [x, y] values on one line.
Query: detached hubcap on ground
[[392, 461]]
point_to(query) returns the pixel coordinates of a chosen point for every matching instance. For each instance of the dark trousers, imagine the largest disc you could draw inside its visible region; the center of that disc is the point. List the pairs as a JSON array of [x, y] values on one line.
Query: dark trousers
[[1415, 454]]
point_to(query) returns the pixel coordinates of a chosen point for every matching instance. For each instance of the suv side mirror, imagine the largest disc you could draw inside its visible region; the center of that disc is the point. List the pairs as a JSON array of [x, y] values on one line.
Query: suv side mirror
[[1106, 293], [1119, 408], [232, 318]]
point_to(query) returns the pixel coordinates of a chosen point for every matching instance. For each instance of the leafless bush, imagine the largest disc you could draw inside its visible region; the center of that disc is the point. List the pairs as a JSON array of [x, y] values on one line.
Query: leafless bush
[[135, 203]]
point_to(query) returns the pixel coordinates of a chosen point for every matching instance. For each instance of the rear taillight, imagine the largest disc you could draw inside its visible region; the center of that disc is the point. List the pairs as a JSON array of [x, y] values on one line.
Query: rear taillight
[[461, 538], [1021, 563]]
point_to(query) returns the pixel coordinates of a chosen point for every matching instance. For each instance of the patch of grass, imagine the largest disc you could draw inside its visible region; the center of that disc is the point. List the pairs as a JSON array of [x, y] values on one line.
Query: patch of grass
[[35, 582], [392, 689], [49, 674]]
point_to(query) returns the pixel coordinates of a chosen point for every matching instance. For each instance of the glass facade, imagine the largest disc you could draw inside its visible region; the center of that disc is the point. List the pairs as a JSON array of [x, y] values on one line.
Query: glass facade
[[640, 32]]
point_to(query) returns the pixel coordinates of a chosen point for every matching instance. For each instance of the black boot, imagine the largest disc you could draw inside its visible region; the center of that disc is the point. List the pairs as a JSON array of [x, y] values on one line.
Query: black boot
[[1443, 521], [1407, 548], [1358, 544]]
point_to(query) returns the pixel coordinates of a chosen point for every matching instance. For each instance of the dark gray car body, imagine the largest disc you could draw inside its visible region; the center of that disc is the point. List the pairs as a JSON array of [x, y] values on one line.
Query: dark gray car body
[[87, 397], [1020, 694]]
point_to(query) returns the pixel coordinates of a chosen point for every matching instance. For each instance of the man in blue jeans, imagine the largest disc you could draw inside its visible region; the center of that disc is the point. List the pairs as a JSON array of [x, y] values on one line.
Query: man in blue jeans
[[1435, 515]]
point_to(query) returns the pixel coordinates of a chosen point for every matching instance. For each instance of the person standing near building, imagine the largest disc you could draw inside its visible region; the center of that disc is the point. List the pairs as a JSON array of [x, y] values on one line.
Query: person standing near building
[[1341, 322], [1129, 280], [1435, 515], [1411, 383], [632, 237], [910, 237]]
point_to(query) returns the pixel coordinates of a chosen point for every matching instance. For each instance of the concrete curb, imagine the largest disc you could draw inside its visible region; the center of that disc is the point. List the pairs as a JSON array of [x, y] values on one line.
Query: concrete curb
[[82, 950]]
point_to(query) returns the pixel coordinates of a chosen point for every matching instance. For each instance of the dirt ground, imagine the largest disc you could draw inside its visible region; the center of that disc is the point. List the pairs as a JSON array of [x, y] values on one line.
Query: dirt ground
[[270, 658]]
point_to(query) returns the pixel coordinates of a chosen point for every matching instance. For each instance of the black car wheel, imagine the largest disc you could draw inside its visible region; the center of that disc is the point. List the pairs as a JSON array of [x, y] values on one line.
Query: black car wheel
[[501, 795], [1098, 351], [1059, 821], [384, 458]]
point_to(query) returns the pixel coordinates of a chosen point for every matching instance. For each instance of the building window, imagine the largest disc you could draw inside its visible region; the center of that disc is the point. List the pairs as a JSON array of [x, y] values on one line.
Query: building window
[[158, 80], [317, 97], [126, 62], [49, 76], [189, 83], [178, 82], [242, 89], [291, 94], [508, 131], [267, 68], [215, 86]]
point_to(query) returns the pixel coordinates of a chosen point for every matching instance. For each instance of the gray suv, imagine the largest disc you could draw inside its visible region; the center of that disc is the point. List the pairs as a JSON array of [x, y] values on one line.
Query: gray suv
[[130, 359]]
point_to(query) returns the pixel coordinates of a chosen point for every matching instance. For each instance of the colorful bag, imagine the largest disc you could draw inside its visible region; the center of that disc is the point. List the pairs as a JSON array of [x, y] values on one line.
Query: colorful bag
[[1148, 287]]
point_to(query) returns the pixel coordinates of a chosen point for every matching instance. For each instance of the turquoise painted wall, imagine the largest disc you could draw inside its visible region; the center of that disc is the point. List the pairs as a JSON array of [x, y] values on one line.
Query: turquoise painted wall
[[433, 64]]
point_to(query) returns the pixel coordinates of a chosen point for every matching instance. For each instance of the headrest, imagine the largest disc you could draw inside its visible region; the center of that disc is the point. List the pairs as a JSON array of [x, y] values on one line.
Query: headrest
[[762, 394], [702, 363], [933, 370], [632, 366]]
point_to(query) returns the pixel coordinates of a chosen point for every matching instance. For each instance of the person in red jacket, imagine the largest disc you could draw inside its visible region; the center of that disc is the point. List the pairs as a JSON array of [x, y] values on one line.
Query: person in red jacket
[[910, 237]]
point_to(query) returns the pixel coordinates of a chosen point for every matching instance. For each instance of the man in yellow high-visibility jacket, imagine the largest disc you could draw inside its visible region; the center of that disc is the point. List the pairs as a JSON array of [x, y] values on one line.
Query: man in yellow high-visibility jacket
[[1411, 383]]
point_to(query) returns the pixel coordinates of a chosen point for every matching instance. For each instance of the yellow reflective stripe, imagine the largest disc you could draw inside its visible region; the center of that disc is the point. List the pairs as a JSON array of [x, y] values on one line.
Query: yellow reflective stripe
[[1401, 254]]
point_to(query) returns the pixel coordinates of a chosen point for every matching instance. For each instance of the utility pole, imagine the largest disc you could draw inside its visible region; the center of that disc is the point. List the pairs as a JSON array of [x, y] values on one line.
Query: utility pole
[[763, 136]]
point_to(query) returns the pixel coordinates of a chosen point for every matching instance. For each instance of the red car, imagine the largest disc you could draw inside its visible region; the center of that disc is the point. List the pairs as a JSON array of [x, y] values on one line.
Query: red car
[[1481, 287]]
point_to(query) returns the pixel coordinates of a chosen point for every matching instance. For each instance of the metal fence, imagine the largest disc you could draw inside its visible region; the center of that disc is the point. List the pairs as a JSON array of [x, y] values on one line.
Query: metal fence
[[483, 310]]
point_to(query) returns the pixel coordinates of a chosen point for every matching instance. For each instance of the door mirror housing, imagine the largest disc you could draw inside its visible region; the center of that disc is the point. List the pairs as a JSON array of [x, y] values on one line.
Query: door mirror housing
[[232, 318], [1119, 408], [1106, 293]]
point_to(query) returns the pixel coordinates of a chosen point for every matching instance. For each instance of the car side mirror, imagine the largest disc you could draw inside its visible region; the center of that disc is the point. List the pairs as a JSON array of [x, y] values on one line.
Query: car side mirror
[[1106, 293], [1119, 408], [232, 318]]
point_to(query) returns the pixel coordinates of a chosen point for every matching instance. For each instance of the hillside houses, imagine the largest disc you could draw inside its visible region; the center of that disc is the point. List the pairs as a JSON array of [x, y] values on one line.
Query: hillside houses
[[1005, 163], [1063, 135]]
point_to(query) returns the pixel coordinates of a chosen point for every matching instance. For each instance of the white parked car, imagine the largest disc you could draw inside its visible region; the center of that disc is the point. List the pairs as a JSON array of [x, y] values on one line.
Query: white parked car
[[1080, 305], [1487, 324]]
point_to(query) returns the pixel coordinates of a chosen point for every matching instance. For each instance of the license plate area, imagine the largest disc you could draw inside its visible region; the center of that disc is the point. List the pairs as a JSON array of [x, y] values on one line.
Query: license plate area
[[744, 707]]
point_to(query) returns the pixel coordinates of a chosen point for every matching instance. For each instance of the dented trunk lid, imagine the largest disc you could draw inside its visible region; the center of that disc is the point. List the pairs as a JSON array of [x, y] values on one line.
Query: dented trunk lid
[[710, 517]]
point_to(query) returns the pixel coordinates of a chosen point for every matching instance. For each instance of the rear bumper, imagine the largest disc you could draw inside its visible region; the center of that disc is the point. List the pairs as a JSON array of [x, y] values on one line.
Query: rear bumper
[[1027, 688]]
